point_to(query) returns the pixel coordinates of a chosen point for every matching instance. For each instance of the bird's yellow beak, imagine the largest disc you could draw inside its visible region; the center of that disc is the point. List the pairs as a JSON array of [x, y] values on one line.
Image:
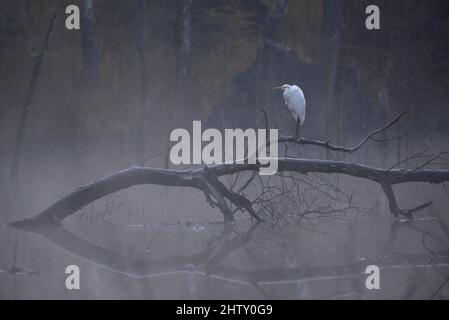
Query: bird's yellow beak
[[277, 88]]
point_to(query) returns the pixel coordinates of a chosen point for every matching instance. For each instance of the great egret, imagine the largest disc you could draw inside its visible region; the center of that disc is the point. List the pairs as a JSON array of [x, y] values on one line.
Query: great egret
[[296, 103]]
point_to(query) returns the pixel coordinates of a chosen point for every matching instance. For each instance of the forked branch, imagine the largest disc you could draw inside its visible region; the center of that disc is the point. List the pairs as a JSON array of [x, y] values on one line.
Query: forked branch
[[327, 144]]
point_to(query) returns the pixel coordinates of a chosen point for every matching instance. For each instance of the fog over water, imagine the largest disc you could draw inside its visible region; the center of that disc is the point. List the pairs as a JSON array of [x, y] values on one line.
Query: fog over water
[[106, 98]]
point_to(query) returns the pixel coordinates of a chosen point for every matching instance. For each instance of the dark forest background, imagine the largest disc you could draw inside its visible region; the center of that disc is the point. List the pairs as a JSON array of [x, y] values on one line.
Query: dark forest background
[[137, 69], [76, 105]]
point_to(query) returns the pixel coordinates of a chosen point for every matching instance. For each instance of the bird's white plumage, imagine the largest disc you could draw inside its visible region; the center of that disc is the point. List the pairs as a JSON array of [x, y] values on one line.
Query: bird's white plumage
[[295, 101]]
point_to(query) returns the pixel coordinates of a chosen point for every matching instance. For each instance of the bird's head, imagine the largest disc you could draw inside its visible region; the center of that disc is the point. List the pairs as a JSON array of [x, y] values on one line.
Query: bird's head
[[284, 87]]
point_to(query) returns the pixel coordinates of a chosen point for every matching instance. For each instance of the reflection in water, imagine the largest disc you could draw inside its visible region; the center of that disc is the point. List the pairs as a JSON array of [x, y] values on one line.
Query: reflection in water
[[14, 269], [274, 260]]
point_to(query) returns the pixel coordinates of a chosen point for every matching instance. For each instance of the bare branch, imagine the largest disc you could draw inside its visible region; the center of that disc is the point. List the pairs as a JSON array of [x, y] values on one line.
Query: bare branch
[[394, 209], [332, 147]]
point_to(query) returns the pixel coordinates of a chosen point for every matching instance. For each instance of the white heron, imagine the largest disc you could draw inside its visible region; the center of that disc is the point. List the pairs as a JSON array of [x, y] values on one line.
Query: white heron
[[296, 103]]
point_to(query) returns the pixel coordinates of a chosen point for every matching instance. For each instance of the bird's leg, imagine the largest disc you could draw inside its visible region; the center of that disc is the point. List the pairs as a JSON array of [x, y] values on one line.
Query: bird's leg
[[298, 126]]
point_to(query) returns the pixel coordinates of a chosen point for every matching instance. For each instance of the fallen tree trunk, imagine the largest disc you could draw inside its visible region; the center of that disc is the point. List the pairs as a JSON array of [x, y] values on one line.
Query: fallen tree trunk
[[206, 180]]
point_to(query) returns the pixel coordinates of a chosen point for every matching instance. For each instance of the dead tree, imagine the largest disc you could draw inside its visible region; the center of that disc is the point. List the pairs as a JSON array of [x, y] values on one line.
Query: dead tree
[[218, 195], [206, 180]]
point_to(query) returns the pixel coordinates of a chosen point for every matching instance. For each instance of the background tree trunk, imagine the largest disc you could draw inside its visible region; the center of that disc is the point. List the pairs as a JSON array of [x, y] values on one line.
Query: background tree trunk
[[183, 47], [144, 80], [90, 51], [26, 107], [330, 44]]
